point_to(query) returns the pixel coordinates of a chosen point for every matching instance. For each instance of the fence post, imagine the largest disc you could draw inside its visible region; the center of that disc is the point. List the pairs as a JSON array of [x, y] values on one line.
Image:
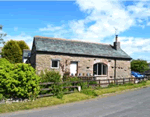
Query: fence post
[[88, 81], [108, 82], [99, 83], [116, 81], [129, 80], [123, 80]]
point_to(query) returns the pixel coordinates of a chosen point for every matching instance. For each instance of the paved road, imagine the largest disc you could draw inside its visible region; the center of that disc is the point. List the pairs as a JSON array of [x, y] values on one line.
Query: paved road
[[130, 104]]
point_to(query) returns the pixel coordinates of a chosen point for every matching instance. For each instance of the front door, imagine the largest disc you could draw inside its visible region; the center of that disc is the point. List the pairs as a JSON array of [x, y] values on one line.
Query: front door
[[73, 68]]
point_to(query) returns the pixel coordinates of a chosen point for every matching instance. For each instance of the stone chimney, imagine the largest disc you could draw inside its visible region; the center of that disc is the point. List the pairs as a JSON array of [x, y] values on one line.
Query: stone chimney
[[116, 43]]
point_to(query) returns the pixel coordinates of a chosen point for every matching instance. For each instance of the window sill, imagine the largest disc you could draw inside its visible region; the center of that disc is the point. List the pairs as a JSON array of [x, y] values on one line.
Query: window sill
[[101, 75], [54, 67]]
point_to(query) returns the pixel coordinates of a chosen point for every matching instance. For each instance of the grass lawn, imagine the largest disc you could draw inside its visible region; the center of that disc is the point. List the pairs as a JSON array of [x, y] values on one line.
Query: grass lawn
[[77, 96]]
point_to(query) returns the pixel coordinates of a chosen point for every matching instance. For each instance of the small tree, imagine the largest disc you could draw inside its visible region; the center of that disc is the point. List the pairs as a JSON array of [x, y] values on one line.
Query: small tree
[[139, 65], [22, 44], [12, 52]]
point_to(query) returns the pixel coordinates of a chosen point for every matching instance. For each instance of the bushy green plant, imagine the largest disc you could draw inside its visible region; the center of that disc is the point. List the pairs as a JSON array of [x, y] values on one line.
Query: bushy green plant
[[139, 65], [84, 85], [55, 77], [12, 52], [50, 76], [19, 81], [4, 62], [66, 76], [92, 82], [77, 82], [1, 97], [22, 44]]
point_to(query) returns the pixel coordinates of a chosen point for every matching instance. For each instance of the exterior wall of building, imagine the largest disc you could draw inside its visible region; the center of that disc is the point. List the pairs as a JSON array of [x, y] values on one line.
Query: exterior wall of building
[[123, 69], [85, 65], [33, 56]]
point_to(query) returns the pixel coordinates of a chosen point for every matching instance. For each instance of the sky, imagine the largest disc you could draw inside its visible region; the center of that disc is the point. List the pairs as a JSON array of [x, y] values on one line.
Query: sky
[[85, 20]]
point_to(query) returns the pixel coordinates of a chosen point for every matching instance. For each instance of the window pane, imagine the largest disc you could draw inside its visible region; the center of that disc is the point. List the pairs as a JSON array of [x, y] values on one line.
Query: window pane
[[99, 69], [95, 69], [54, 63], [104, 70]]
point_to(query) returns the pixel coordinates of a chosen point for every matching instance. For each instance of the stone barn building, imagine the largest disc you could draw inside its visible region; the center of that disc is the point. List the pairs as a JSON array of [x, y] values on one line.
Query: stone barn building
[[80, 58]]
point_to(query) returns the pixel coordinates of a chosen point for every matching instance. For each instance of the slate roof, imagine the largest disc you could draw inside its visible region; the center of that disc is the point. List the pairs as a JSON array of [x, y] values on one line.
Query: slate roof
[[77, 47], [26, 52]]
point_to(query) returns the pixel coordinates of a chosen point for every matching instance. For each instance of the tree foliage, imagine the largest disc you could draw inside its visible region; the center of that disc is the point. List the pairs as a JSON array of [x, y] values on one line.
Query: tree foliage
[[13, 51], [22, 44], [139, 65], [18, 80]]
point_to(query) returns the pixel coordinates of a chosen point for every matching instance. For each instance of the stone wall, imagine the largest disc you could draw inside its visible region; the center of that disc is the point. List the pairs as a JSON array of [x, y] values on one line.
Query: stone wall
[[85, 65], [33, 56]]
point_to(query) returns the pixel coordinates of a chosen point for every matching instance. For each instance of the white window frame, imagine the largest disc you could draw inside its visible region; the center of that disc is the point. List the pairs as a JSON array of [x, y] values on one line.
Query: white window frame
[[58, 61], [102, 64]]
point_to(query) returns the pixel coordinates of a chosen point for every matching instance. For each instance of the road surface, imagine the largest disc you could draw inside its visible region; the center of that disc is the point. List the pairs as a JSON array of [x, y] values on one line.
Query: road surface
[[129, 104]]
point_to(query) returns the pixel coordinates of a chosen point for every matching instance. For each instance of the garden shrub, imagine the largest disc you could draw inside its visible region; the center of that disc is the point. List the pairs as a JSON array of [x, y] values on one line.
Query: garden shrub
[[1, 97], [19, 81], [66, 76], [92, 82], [4, 62], [84, 85], [52, 76]]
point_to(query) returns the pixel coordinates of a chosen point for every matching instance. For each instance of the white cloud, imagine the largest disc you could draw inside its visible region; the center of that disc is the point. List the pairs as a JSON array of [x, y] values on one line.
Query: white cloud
[[104, 16], [15, 28], [132, 45], [51, 28], [107, 15], [148, 24]]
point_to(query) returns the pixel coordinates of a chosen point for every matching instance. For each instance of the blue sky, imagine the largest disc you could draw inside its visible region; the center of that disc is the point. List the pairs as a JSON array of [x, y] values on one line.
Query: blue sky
[[92, 20]]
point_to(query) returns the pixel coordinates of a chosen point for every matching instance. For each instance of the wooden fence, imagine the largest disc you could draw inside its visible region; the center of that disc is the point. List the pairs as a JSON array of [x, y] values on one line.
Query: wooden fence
[[89, 80]]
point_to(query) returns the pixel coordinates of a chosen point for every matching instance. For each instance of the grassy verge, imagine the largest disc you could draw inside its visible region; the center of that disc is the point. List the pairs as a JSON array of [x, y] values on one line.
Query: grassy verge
[[83, 95]]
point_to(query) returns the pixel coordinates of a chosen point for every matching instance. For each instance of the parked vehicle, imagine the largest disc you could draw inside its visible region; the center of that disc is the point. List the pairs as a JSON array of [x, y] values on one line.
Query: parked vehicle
[[138, 76]]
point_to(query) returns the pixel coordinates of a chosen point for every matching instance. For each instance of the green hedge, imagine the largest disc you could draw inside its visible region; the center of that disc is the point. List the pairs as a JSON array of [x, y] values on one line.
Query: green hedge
[[18, 80]]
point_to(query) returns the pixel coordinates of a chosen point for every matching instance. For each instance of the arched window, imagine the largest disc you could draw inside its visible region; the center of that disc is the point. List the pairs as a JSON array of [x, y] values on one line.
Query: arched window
[[99, 69]]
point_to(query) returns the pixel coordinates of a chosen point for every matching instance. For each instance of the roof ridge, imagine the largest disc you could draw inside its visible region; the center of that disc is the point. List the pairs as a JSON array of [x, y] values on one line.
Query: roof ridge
[[71, 40]]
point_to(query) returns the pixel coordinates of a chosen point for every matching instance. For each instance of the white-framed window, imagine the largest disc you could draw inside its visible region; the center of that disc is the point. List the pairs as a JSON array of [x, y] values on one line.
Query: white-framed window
[[55, 64], [100, 69]]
